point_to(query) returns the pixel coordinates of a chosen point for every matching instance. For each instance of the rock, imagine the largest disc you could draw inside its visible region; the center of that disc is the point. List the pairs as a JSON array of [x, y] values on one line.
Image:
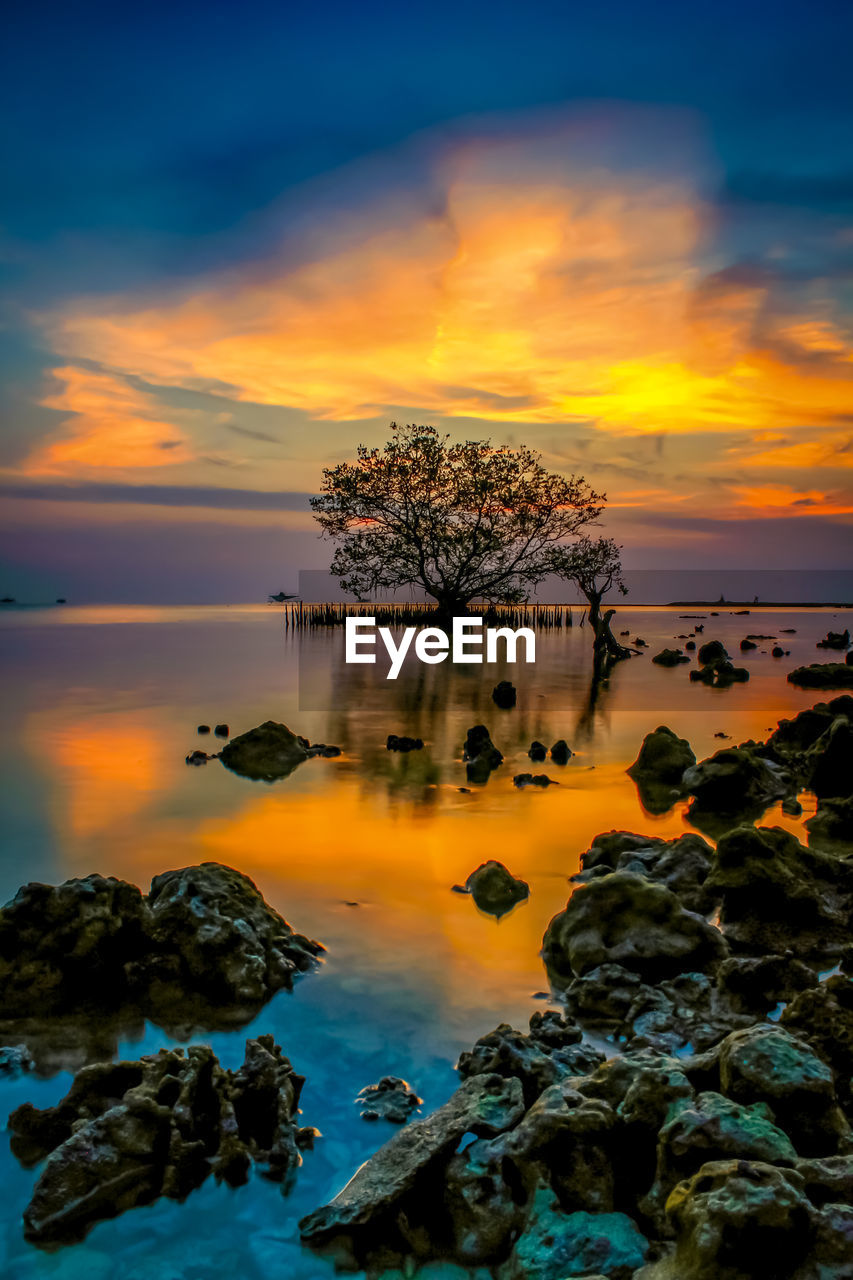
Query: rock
[[365, 1214], [222, 730], [777, 651], [522, 780], [551, 1051], [561, 752], [823, 1016], [395, 743], [538, 751], [682, 864], [203, 945], [773, 887], [555, 1245], [669, 658], [738, 1219], [792, 738], [759, 983], [766, 1063], [746, 645], [504, 695], [829, 761], [823, 675], [659, 768], [323, 749], [15, 1060], [715, 1128], [203, 728], [480, 754], [624, 919], [269, 752], [494, 889], [721, 675], [712, 652], [129, 1132], [391, 1099], [833, 822], [835, 640], [199, 757], [690, 646], [733, 783]]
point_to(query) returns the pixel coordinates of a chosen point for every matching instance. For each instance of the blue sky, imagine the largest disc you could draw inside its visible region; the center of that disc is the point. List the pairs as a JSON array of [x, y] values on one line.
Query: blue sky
[[179, 176]]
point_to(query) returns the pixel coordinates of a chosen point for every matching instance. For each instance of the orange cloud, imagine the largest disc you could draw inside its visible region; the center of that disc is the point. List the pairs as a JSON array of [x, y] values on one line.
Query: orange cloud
[[781, 499], [111, 425]]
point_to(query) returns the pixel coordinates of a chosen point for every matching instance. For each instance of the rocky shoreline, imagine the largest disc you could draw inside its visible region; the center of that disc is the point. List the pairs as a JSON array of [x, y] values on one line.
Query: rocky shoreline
[[684, 1111]]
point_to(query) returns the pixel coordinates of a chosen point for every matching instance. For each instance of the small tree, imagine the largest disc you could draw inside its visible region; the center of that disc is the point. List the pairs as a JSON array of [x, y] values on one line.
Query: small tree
[[463, 521], [594, 566]]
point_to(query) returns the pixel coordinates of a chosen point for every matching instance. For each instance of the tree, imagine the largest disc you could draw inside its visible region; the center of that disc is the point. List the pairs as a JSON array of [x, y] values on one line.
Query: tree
[[463, 521], [594, 566]]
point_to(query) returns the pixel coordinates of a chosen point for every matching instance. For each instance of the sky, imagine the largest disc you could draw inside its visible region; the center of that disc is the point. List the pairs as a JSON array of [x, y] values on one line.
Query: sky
[[239, 240]]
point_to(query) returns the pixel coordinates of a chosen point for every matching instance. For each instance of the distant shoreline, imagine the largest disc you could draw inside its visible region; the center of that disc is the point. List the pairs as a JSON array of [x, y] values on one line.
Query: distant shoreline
[[752, 604]]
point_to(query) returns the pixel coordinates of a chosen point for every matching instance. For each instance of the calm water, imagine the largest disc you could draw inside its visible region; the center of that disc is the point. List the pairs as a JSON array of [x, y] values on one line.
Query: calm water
[[100, 709]]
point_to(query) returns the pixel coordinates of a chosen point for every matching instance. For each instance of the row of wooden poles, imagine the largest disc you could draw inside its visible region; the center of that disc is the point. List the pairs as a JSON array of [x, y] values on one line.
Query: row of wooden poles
[[300, 616]]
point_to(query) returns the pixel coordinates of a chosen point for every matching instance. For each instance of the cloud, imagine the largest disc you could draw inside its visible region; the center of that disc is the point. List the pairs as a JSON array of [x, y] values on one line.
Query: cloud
[[172, 495]]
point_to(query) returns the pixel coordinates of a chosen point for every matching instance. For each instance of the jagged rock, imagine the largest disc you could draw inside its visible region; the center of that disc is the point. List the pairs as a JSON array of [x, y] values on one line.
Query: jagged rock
[[774, 889], [555, 1245], [391, 1099], [561, 752], [269, 752], [823, 675], [832, 823], [538, 751], [522, 780], [733, 782], [715, 1128], [624, 919], [203, 940], [395, 743], [682, 864], [199, 757], [766, 1063], [827, 1179], [129, 1132], [552, 1050], [670, 658], [494, 889], [480, 754], [738, 1219], [367, 1212], [505, 695]]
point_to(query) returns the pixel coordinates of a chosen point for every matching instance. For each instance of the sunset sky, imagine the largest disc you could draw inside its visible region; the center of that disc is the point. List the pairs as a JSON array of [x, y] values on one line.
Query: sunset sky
[[239, 240]]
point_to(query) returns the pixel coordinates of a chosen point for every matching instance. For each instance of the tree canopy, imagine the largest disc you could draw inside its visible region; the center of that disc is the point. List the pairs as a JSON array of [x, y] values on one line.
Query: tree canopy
[[594, 565], [463, 521]]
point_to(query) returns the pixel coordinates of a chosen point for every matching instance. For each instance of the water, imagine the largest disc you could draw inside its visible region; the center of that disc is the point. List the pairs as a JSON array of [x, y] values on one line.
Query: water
[[100, 709]]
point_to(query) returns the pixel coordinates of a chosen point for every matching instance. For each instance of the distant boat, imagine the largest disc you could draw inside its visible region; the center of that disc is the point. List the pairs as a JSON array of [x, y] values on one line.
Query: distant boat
[[281, 597]]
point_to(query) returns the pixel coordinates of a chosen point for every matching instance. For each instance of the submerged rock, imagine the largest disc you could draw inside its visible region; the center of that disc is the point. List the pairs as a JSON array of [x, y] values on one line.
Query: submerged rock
[[504, 695], [835, 640], [391, 1099], [670, 658], [269, 752], [522, 780], [480, 754], [129, 1132], [625, 919], [561, 752], [494, 889], [395, 743], [538, 751], [733, 783], [203, 945]]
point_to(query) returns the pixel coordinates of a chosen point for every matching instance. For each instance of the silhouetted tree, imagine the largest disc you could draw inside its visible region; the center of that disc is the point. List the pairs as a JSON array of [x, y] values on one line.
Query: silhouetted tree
[[467, 521], [594, 566]]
